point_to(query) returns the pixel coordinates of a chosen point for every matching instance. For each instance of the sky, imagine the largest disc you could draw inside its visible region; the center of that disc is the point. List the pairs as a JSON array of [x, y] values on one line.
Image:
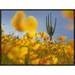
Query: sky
[[61, 23]]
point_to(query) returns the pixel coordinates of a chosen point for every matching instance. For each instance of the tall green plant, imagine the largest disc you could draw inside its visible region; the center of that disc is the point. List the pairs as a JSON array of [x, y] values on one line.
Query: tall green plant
[[49, 27]]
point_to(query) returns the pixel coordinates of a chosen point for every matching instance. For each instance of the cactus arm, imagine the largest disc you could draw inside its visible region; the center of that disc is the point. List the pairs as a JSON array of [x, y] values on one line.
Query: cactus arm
[[51, 28], [47, 25], [54, 26], [50, 20]]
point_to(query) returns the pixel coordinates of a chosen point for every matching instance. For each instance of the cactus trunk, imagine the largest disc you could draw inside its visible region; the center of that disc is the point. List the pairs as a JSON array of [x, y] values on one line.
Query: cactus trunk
[[50, 37], [49, 27]]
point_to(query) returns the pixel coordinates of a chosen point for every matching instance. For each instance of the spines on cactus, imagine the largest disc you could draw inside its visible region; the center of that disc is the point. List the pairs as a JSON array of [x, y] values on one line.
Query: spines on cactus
[[49, 27]]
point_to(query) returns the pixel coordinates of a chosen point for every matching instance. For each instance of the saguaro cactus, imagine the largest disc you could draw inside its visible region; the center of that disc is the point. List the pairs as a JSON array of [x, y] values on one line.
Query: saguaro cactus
[[49, 27]]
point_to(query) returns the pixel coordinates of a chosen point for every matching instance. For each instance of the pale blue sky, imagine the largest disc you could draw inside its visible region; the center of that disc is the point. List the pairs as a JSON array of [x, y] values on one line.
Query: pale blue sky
[[40, 16]]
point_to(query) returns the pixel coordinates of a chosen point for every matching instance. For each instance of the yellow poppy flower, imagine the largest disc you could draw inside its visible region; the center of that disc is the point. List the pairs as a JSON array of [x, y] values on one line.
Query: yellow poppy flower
[[18, 21], [17, 18], [32, 23], [62, 38], [22, 23], [31, 34]]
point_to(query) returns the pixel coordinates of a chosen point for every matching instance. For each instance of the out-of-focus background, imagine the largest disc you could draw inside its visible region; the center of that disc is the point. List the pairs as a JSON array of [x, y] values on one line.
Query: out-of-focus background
[[64, 26]]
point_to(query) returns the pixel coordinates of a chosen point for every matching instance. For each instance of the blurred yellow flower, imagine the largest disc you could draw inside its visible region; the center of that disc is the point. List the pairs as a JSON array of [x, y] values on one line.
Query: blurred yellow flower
[[20, 14], [22, 23], [68, 14], [18, 21], [32, 23], [62, 38], [70, 50], [71, 42], [16, 53]]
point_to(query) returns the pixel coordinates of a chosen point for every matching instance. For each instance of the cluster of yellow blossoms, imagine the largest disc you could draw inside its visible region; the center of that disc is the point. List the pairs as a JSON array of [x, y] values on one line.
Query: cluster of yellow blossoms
[[29, 49]]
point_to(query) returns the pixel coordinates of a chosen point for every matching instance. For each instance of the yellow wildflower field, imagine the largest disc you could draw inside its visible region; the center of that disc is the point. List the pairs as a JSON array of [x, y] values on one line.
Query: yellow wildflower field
[[31, 51], [35, 47]]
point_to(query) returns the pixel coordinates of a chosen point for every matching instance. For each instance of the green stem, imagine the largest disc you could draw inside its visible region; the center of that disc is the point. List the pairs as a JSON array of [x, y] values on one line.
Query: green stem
[[27, 58], [50, 37]]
